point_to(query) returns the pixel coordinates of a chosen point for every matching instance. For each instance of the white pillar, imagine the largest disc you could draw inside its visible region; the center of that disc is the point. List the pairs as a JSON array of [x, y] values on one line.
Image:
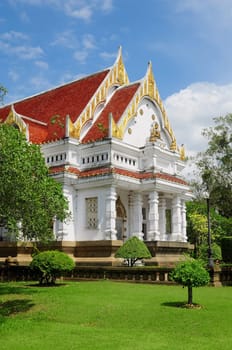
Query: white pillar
[[136, 218], [184, 222], [176, 219], [65, 231], [162, 218], [110, 225], [153, 217]]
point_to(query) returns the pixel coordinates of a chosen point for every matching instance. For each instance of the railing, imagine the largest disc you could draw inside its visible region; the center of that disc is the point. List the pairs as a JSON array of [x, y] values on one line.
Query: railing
[[123, 274], [153, 275]]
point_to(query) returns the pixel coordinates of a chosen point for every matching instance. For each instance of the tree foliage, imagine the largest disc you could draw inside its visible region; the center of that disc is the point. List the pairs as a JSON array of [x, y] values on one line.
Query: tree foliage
[[3, 92], [50, 265], [215, 164], [132, 250], [29, 198], [197, 229], [190, 273], [227, 249]]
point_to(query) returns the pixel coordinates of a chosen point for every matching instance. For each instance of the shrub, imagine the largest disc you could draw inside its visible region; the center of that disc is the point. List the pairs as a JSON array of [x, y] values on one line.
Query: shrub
[[190, 273], [226, 245], [132, 250], [50, 265]]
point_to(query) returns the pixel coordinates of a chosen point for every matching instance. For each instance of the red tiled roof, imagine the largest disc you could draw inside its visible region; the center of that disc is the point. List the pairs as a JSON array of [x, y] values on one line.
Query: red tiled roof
[[69, 99], [119, 171], [116, 106], [171, 178]]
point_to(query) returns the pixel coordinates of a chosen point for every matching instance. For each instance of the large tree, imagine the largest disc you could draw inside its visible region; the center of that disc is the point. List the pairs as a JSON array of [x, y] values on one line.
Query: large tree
[[29, 198], [215, 164]]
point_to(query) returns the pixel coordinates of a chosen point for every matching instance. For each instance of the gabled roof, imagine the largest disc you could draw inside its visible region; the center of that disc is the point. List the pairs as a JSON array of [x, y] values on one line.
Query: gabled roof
[[51, 107], [116, 107], [73, 109]]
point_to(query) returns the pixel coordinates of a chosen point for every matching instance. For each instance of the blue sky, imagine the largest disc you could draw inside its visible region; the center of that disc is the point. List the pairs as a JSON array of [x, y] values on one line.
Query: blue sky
[[44, 43]]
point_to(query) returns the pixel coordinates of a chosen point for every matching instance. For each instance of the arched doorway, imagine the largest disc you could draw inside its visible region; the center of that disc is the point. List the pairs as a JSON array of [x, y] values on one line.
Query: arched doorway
[[120, 219]]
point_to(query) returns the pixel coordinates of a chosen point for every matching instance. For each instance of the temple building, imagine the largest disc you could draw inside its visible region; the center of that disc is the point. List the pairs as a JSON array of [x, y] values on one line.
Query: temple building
[[111, 145]]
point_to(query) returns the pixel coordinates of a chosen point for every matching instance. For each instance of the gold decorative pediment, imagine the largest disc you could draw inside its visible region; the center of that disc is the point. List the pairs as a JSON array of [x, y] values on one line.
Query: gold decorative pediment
[[14, 118], [116, 76]]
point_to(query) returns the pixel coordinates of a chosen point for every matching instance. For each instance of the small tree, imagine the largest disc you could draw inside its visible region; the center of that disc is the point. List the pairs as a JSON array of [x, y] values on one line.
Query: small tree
[[190, 273], [132, 250], [50, 265]]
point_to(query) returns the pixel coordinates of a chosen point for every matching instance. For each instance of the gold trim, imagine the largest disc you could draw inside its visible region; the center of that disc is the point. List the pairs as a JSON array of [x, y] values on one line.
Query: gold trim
[[14, 118], [148, 88], [116, 76]]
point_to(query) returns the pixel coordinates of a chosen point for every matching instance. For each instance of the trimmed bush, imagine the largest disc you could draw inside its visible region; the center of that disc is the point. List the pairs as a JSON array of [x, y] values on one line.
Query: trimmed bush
[[226, 246], [50, 265], [132, 250]]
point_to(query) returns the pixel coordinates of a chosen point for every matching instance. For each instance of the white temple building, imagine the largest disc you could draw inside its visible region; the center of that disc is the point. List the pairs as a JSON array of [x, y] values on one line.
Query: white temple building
[[111, 145]]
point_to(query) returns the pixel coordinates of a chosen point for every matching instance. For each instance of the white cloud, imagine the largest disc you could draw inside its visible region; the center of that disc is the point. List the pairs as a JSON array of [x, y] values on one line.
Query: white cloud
[[193, 108], [42, 64], [81, 56], [108, 55], [85, 12], [80, 9], [106, 5], [66, 39], [40, 83], [89, 41], [24, 17], [13, 75], [26, 52], [12, 43], [13, 36], [214, 13]]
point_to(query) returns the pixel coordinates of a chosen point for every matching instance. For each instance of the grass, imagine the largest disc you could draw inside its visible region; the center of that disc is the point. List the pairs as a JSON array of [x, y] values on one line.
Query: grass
[[108, 315]]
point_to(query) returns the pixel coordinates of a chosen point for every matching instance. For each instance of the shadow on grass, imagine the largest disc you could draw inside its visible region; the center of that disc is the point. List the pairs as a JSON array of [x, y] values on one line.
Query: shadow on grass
[[15, 306], [6, 288], [47, 285], [182, 304]]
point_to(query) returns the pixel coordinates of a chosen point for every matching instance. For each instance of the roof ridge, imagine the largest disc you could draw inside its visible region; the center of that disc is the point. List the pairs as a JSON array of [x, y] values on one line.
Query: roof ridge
[[55, 88]]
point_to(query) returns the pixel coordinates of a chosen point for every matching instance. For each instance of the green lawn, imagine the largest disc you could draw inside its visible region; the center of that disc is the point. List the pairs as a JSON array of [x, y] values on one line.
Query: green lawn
[[110, 315]]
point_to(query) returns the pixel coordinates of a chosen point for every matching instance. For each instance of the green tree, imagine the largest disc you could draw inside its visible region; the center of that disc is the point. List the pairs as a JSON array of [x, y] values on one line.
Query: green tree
[[215, 165], [132, 250], [50, 265], [190, 273], [29, 198], [197, 229], [3, 92]]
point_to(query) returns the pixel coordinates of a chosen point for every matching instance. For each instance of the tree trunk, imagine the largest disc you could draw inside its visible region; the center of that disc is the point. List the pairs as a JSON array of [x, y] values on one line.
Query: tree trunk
[[190, 295]]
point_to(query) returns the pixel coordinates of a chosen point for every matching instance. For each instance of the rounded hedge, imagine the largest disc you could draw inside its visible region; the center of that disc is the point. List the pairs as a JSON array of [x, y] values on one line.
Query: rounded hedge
[[50, 265]]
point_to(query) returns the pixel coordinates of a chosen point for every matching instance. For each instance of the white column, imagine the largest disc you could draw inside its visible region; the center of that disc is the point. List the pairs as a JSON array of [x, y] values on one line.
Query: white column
[[110, 225], [162, 218], [65, 231], [136, 218], [176, 219], [184, 222], [153, 217]]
